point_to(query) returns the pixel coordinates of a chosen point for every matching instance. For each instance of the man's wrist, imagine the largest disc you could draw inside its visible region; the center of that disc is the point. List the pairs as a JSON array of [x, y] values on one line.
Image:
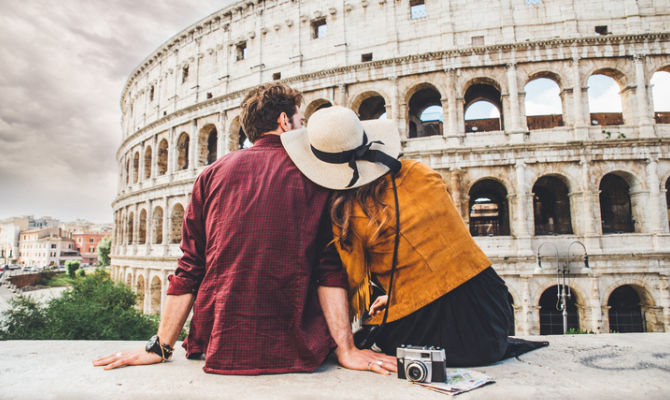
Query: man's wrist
[[163, 350]]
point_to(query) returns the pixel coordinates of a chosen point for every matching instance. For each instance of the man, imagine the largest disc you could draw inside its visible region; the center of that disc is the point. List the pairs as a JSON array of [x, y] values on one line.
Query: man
[[265, 284]]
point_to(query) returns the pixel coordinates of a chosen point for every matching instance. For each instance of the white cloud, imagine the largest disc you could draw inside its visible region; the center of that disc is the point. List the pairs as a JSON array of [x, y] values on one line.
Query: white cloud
[[661, 91], [64, 66], [604, 94]]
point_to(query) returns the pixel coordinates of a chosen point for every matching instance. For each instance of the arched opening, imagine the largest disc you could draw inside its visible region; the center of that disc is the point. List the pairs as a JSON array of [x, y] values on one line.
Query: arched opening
[[142, 234], [316, 105], [372, 107], [162, 157], [155, 291], [238, 138], [147, 163], [176, 220], [551, 317], [129, 280], [136, 167], [157, 225], [129, 228], [207, 145], [604, 100], [139, 289], [625, 312], [483, 107], [551, 207], [543, 104], [425, 124], [488, 207], [182, 151], [615, 206], [660, 87], [127, 171]]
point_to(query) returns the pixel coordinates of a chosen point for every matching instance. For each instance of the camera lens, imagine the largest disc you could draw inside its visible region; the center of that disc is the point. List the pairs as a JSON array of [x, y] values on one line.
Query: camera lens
[[416, 372]]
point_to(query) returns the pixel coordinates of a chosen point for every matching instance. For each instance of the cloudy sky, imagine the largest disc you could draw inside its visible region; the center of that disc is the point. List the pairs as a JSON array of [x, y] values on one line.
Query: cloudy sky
[[64, 64]]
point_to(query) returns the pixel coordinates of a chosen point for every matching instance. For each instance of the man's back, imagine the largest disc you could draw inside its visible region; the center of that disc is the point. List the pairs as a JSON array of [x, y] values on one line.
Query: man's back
[[262, 227]]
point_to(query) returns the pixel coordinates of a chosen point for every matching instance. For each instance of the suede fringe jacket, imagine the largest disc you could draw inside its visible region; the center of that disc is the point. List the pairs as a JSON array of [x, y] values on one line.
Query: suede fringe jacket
[[436, 253]]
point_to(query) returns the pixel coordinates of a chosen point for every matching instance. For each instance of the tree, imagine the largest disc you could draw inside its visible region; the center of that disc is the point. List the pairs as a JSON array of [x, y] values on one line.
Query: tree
[[95, 308], [72, 266], [103, 251]]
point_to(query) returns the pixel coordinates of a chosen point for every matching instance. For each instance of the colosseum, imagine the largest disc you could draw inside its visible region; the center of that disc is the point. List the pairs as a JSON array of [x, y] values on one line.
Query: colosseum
[[575, 199]]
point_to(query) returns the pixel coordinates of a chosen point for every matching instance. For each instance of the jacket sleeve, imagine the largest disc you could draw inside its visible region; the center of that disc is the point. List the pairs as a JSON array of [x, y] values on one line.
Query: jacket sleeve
[[191, 266]]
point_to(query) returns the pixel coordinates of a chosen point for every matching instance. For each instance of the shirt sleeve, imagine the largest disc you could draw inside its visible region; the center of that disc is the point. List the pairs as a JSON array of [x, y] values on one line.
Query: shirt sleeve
[[191, 265], [329, 271]]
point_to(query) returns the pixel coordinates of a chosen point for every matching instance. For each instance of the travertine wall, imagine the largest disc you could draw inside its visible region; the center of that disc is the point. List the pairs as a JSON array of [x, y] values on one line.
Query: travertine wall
[[173, 126]]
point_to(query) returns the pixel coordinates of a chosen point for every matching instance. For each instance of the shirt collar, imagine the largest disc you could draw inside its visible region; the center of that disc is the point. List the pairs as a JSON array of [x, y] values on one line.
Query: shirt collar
[[268, 140]]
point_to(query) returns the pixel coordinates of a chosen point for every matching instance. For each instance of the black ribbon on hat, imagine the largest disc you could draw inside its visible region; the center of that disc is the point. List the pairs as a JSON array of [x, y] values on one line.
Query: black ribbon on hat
[[363, 153]]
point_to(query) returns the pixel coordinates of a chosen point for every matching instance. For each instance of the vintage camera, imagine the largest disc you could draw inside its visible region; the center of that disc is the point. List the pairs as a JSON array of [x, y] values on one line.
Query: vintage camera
[[421, 363]]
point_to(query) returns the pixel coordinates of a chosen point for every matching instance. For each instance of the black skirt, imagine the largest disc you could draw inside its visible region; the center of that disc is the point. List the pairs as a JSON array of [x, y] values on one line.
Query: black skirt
[[471, 323]]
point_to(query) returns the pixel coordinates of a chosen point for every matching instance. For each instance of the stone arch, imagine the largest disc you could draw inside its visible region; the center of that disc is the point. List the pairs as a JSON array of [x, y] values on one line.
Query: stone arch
[[549, 116], [551, 206], [651, 316], [207, 143], [129, 277], [162, 157], [486, 90], [238, 138], [142, 231], [129, 227], [176, 219], [616, 208], [136, 166], [140, 289], [369, 104], [488, 208], [157, 225], [183, 144], [611, 116], [147, 162], [315, 105], [551, 319], [155, 290], [420, 98]]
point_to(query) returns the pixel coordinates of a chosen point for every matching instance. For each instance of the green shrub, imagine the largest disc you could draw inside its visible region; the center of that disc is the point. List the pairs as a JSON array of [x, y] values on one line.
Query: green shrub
[[71, 266], [81, 272], [94, 308]]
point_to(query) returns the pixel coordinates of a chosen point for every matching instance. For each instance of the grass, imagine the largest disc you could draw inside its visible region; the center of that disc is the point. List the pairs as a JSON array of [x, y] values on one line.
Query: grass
[[59, 279]]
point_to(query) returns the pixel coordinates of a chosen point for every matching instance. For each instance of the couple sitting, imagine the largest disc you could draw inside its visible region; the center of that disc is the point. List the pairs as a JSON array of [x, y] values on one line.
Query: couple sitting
[[284, 241]]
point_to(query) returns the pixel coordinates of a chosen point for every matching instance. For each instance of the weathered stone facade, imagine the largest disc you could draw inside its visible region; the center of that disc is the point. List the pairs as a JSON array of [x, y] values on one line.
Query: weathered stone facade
[[520, 181]]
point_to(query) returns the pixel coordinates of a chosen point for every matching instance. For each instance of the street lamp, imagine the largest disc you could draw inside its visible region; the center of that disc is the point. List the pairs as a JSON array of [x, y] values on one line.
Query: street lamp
[[563, 291]]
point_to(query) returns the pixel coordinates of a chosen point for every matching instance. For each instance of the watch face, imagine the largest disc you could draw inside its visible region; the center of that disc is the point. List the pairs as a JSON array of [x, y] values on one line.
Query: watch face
[[151, 343]]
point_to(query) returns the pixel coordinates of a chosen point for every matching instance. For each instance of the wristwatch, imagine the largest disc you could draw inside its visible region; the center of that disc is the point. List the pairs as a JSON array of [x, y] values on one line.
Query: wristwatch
[[163, 350]]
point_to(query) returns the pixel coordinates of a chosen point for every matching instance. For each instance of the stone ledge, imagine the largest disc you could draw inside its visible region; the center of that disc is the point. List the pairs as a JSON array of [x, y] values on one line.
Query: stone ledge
[[574, 366]]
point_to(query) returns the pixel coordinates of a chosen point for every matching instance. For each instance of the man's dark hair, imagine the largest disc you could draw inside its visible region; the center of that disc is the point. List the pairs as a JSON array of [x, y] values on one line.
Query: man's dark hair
[[262, 106]]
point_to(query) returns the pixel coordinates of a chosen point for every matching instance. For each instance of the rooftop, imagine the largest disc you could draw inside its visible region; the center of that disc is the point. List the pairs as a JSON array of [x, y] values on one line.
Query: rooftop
[[628, 366]]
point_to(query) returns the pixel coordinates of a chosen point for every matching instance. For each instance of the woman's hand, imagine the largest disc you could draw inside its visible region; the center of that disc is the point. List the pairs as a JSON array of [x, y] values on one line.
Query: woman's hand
[[378, 305]]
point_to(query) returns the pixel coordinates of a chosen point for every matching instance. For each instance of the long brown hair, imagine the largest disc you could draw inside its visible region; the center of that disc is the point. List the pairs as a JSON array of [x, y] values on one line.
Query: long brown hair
[[369, 197]]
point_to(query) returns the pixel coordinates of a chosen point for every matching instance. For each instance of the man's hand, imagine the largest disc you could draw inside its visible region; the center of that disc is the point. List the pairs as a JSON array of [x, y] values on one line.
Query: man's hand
[[366, 360], [133, 357]]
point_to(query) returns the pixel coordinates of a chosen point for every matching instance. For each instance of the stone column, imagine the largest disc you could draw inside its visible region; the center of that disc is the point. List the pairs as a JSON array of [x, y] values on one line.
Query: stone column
[[154, 159], [653, 214], [519, 228], [451, 127], [147, 294], [513, 121], [221, 147], [172, 152], [525, 325], [193, 146], [664, 301], [580, 115], [341, 95], [140, 164], [645, 119], [148, 229], [594, 306], [166, 219]]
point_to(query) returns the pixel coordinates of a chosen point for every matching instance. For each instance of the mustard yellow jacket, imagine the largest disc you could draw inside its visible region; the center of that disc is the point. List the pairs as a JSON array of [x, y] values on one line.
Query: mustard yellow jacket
[[435, 255]]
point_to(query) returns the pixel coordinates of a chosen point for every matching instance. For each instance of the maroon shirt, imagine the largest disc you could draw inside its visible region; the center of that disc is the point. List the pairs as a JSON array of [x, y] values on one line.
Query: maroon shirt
[[255, 242]]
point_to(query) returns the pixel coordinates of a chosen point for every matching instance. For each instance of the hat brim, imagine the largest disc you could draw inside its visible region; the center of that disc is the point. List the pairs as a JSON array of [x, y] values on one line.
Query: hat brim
[[338, 176]]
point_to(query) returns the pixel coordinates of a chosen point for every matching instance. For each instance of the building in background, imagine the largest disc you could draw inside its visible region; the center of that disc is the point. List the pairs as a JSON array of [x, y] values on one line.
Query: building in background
[[573, 181], [46, 247], [86, 243]]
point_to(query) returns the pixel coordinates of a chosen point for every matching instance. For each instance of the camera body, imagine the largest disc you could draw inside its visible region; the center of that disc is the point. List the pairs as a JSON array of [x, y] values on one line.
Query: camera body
[[421, 363]]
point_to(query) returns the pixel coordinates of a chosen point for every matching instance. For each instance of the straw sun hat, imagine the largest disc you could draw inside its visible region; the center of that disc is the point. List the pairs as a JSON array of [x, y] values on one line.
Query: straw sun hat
[[338, 151]]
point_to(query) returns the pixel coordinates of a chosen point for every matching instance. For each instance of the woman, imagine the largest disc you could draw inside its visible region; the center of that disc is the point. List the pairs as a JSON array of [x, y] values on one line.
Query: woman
[[443, 291]]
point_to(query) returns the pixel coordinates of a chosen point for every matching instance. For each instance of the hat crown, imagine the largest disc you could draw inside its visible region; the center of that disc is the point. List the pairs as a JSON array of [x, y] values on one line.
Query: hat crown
[[334, 129]]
